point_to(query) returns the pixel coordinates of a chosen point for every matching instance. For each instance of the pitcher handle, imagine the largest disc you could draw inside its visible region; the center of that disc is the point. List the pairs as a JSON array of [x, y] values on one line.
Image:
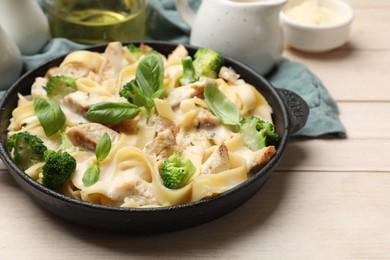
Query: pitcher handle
[[185, 12]]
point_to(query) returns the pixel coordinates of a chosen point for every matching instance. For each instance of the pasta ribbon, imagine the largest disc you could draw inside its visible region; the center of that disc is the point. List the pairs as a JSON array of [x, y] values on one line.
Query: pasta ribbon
[[89, 86], [87, 59], [126, 75], [164, 109], [207, 185]]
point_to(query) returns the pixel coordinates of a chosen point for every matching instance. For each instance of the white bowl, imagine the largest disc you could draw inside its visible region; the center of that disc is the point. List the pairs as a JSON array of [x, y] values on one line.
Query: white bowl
[[311, 37]]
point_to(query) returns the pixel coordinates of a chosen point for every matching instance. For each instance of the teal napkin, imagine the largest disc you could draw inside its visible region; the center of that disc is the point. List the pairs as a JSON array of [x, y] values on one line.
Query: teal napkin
[[324, 114], [166, 24]]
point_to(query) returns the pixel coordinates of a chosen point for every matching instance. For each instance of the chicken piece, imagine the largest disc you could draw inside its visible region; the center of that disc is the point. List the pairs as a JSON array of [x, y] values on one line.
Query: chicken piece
[[178, 54], [113, 62], [217, 162], [140, 193], [127, 126], [205, 118], [260, 157], [177, 95], [172, 71], [145, 48], [164, 140], [88, 135], [71, 70], [38, 87], [130, 189], [163, 124], [228, 74], [81, 101]]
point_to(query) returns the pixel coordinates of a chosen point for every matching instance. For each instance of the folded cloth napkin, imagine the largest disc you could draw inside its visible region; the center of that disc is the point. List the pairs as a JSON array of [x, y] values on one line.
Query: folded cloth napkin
[[324, 114], [166, 24]]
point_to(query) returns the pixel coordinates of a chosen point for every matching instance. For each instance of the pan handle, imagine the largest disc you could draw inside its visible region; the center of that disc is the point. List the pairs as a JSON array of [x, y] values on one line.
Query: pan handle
[[297, 109]]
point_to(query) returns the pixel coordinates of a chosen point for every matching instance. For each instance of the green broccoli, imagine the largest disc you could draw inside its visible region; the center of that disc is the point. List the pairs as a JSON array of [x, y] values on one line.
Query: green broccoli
[[58, 87], [129, 91], [136, 51], [257, 133], [57, 169], [176, 172], [189, 74], [26, 149], [66, 144], [207, 62]]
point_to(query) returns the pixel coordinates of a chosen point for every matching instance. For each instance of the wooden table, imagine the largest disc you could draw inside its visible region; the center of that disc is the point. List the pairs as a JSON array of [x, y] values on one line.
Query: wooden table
[[329, 198]]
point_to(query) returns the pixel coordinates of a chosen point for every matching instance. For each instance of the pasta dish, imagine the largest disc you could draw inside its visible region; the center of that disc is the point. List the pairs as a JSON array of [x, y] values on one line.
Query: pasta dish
[[130, 127]]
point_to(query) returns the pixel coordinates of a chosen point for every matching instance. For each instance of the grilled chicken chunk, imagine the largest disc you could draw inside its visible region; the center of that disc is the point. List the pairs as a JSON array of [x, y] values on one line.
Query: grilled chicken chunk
[[71, 70], [260, 157], [164, 142], [81, 101], [217, 162], [177, 95], [228, 74], [205, 118], [164, 139], [113, 62], [88, 135], [141, 193], [178, 53], [38, 87]]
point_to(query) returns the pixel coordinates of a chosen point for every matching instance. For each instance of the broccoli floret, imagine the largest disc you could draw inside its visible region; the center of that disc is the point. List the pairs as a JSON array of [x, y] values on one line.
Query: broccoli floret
[[207, 62], [58, 87], [129, 92], [66, 144], [57, 169], [176, 172], [257, 134], [189, 74], [136, 51], [26, 149]]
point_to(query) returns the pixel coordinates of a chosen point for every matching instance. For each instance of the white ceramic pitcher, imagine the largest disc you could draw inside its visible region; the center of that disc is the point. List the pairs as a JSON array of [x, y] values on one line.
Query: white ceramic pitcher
[[10, 60], [25, 22], [247, 30]]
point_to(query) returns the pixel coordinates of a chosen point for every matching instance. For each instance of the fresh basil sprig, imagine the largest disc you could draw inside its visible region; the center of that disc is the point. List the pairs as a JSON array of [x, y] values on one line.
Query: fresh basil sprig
[[111, 113], [221, 106], [102, 150], [148, 82], [49, 114], [91, 175]]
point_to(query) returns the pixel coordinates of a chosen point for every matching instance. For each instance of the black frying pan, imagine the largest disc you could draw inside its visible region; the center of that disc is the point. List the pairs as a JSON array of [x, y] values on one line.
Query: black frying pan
[[289, 114]]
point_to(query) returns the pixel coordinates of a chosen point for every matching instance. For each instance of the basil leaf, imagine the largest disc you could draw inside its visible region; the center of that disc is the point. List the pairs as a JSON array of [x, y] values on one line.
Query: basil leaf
[[111, 113], [134, 94], [103, 147], [149, 78], [91, 175], [49, 114], [150, 73], [221, 106]]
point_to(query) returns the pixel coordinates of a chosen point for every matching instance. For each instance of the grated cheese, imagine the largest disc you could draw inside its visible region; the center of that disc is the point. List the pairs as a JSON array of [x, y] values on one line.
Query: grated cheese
[[313, 12]]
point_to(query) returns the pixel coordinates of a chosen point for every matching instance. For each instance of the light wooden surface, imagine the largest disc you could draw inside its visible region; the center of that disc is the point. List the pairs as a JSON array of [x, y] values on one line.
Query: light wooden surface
[[328, 199]]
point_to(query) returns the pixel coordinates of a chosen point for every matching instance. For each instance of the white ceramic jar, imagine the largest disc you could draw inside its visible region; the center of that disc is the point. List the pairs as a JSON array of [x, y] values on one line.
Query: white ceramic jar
[[25, 22], [246, 30], [10, 61]]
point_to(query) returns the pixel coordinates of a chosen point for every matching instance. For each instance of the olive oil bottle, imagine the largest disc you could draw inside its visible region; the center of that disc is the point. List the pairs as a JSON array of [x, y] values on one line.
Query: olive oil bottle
[[97, 21]]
